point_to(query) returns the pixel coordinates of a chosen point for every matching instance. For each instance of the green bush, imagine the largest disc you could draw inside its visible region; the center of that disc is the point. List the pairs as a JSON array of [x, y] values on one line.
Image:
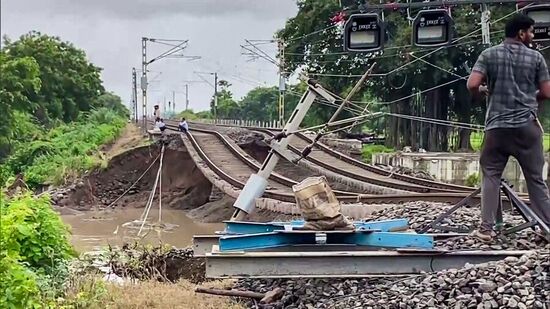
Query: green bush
[[34, 252], [65, 151], [18, 286], [369, 150], [34, 233], [187, 114], [473, 180]]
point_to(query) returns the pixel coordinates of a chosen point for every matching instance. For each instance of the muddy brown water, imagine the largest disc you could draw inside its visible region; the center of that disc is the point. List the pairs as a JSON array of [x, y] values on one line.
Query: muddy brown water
[[94, 230]]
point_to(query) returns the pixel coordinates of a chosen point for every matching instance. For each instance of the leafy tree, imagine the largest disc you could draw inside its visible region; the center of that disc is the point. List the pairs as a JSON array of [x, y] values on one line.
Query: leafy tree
[[112, 102], [227, 106], [260, 104], [70, 83], [18, 82], [321, 55]]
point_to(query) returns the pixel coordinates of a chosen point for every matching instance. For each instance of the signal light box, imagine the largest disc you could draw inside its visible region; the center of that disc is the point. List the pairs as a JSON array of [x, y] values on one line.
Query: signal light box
[[364, 32], [432, 28], [541, 15]]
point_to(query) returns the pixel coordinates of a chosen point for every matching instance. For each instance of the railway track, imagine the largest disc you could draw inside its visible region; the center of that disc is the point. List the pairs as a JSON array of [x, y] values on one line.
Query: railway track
[[355, 166], [340, 164], [226, 161]]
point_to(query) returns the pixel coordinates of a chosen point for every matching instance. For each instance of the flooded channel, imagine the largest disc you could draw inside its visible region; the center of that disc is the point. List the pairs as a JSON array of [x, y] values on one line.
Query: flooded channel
[[93, 230]]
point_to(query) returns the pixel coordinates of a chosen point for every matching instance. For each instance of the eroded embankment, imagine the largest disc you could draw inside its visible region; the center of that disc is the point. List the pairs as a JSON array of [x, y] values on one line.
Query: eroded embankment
[[183, 185]]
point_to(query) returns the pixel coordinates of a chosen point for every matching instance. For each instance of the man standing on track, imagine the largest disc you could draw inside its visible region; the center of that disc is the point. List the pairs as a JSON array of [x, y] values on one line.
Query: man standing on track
[[515, 78]]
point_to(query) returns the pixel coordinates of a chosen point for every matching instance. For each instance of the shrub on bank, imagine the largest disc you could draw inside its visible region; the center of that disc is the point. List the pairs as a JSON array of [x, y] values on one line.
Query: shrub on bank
[[35, 249], [65, 151]]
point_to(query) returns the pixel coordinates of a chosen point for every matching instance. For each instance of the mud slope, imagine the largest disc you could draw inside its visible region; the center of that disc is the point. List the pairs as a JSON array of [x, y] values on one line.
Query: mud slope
[[183, 185]]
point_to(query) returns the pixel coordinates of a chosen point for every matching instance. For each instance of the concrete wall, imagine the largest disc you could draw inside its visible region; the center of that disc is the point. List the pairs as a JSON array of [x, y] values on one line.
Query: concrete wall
[[452, 167]]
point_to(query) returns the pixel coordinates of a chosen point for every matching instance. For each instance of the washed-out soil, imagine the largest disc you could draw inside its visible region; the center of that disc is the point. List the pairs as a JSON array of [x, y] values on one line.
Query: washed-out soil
[[255, 147], [183, 185]]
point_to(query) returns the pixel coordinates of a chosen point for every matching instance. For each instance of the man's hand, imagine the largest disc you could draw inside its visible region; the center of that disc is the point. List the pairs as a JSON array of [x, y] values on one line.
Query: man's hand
[[476, 83], [484, 90]]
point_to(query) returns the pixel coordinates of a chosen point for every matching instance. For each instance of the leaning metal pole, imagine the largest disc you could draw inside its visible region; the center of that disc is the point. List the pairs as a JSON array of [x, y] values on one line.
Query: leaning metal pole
[[256, 184]]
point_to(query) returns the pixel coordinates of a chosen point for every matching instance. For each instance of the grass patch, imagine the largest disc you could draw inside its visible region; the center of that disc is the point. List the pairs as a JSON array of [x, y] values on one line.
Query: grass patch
[[147, 294], [64, 152], [473, 180], [368, 150]]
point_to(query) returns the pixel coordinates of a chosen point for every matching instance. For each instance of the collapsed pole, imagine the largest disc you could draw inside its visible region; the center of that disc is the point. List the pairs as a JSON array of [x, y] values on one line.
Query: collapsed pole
[[256, 184], [332, 121]]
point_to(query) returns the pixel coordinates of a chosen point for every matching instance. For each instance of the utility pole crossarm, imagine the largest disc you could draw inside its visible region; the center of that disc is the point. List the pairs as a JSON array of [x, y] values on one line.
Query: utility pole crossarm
[[177, 46]]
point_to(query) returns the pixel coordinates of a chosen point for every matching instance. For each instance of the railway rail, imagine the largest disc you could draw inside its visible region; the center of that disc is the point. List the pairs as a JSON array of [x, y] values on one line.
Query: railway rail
[[348, 163], [341, 164], [353, 166], [237, 174]]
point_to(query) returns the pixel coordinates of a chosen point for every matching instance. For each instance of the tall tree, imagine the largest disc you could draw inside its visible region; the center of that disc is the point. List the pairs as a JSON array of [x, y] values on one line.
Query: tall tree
[[111, 101], [227, 106], [313, 42], [19, 82], [70, 82], [260, 104]]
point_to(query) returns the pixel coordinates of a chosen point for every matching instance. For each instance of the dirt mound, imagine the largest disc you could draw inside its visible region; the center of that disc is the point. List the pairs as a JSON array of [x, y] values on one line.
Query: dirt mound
[[144, 262], [183, 185]]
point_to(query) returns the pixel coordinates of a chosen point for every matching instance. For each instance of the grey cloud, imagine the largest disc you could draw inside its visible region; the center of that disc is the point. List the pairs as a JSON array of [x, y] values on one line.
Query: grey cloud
[[110, 33], [147, 9]]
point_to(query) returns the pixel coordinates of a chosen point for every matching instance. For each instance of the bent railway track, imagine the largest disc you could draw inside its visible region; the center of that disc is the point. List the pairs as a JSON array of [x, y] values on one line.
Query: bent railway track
[[338, 163], [355, 167], [226, 161]]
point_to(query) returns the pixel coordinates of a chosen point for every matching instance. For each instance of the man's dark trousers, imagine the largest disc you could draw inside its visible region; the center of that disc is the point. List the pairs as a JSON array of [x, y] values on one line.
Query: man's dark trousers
[[524, 144]]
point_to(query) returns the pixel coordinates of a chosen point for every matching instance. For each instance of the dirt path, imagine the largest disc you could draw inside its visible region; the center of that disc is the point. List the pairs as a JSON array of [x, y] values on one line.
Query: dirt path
[[130, 138]]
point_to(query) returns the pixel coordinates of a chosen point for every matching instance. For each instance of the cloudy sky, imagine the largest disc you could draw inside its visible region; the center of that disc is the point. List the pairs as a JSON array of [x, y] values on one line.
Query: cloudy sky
[[110, 32]]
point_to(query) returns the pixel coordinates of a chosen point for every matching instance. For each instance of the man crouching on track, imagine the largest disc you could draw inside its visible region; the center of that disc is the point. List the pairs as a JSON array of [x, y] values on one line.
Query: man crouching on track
[[517, 79]]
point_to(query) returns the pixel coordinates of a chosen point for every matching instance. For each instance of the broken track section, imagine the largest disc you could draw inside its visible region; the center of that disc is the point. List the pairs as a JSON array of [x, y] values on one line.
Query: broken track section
[[229, 173]]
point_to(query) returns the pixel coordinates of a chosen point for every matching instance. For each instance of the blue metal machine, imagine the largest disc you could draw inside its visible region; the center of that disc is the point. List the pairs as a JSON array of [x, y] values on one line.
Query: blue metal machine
[[242, 236]]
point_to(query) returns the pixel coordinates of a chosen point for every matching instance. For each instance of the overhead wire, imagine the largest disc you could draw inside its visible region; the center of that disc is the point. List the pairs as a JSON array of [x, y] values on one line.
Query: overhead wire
[[311, 33], [438, 67], [421, 58], [442, 122], [262, 52]]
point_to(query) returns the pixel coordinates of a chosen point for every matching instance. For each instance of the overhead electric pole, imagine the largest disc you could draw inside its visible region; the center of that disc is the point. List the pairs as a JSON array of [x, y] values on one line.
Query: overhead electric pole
[[134, 95], [215, 86], [485, 25], [186, 96], [177, 46], [173, 101], [282, 83], [143, 83], [215, 96]]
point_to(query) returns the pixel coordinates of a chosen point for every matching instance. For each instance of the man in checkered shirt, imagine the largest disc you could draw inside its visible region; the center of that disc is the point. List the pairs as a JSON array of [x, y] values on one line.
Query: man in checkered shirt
[[515, 78]]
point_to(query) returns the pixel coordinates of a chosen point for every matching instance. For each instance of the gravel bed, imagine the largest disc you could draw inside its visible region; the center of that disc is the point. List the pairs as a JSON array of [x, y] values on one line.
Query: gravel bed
[[421, 214], [512, 283]]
